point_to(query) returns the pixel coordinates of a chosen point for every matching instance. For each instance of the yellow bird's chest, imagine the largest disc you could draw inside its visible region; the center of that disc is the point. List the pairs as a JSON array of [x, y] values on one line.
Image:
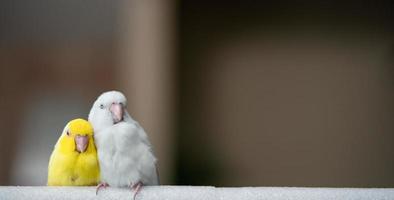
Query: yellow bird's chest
[[74, 170], [85, 171]]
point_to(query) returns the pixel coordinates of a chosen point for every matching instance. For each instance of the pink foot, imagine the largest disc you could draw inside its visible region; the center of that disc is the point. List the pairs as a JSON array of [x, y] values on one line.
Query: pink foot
[[101, 185], [136, 188]]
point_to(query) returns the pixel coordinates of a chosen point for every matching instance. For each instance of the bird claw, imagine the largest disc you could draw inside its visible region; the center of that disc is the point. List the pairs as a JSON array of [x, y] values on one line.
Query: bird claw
[[136, 188], [101, 185]]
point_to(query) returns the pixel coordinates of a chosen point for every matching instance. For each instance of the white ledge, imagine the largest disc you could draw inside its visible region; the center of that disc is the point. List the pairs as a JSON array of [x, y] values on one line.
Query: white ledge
[[196, 192]]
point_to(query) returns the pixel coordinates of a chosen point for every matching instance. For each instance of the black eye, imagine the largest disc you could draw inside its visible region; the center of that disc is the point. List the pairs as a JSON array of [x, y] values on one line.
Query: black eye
[[101, 106], [68, 133]]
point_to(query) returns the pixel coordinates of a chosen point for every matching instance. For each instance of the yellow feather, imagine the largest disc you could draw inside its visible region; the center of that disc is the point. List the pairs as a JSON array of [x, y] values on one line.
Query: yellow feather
[[68, 167]]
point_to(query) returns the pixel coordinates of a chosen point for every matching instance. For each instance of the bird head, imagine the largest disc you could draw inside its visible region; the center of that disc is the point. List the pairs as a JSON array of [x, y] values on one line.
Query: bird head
[[77, 136], [109, 109]]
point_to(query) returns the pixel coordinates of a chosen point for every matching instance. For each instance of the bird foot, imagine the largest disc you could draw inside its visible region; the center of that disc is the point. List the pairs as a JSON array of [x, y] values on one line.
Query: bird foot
[[101, 185], [136, 188]]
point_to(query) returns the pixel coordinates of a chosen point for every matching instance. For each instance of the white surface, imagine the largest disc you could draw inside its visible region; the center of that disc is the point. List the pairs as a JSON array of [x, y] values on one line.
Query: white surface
[[193, 192]]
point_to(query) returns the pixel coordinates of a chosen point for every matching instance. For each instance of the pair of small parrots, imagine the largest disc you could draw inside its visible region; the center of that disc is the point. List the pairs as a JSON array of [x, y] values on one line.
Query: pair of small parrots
[[111, 149]]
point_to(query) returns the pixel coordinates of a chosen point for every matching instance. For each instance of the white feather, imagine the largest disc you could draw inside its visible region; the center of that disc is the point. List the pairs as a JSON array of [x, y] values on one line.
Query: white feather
[[123, 149]]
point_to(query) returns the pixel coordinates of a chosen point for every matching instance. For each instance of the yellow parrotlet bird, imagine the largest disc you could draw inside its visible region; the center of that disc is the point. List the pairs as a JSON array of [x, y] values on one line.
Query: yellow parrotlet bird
[[74, 160]]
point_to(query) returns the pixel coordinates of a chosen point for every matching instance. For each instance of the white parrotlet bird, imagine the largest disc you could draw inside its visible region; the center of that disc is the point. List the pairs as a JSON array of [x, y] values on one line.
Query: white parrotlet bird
[[124, 151]]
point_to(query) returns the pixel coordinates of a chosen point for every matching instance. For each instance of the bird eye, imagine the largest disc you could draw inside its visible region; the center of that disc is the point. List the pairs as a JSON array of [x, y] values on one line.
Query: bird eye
[[68, 133], [101, 106]]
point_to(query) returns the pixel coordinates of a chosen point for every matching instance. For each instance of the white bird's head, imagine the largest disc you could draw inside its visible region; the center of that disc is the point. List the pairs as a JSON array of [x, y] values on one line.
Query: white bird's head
[[108, 109]]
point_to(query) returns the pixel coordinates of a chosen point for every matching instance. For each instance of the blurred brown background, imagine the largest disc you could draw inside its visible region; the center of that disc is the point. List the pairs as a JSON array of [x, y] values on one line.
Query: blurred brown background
[[235, 93]]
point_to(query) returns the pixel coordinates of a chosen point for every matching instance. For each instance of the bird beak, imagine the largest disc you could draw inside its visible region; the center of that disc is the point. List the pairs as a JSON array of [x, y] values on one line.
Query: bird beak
[[81, 143], [117, 112]]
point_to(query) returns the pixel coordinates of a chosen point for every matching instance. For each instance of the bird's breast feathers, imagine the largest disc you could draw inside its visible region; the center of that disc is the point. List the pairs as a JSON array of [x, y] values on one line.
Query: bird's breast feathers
[[125, 155], [73, 169]]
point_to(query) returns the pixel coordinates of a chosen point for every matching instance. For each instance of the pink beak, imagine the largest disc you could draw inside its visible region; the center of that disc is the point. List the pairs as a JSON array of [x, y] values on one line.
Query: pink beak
[[81, 143], [117, 112]]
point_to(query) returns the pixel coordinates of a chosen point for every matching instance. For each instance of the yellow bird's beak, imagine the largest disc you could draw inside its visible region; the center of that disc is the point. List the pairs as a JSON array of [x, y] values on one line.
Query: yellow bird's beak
[[81, 143]]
